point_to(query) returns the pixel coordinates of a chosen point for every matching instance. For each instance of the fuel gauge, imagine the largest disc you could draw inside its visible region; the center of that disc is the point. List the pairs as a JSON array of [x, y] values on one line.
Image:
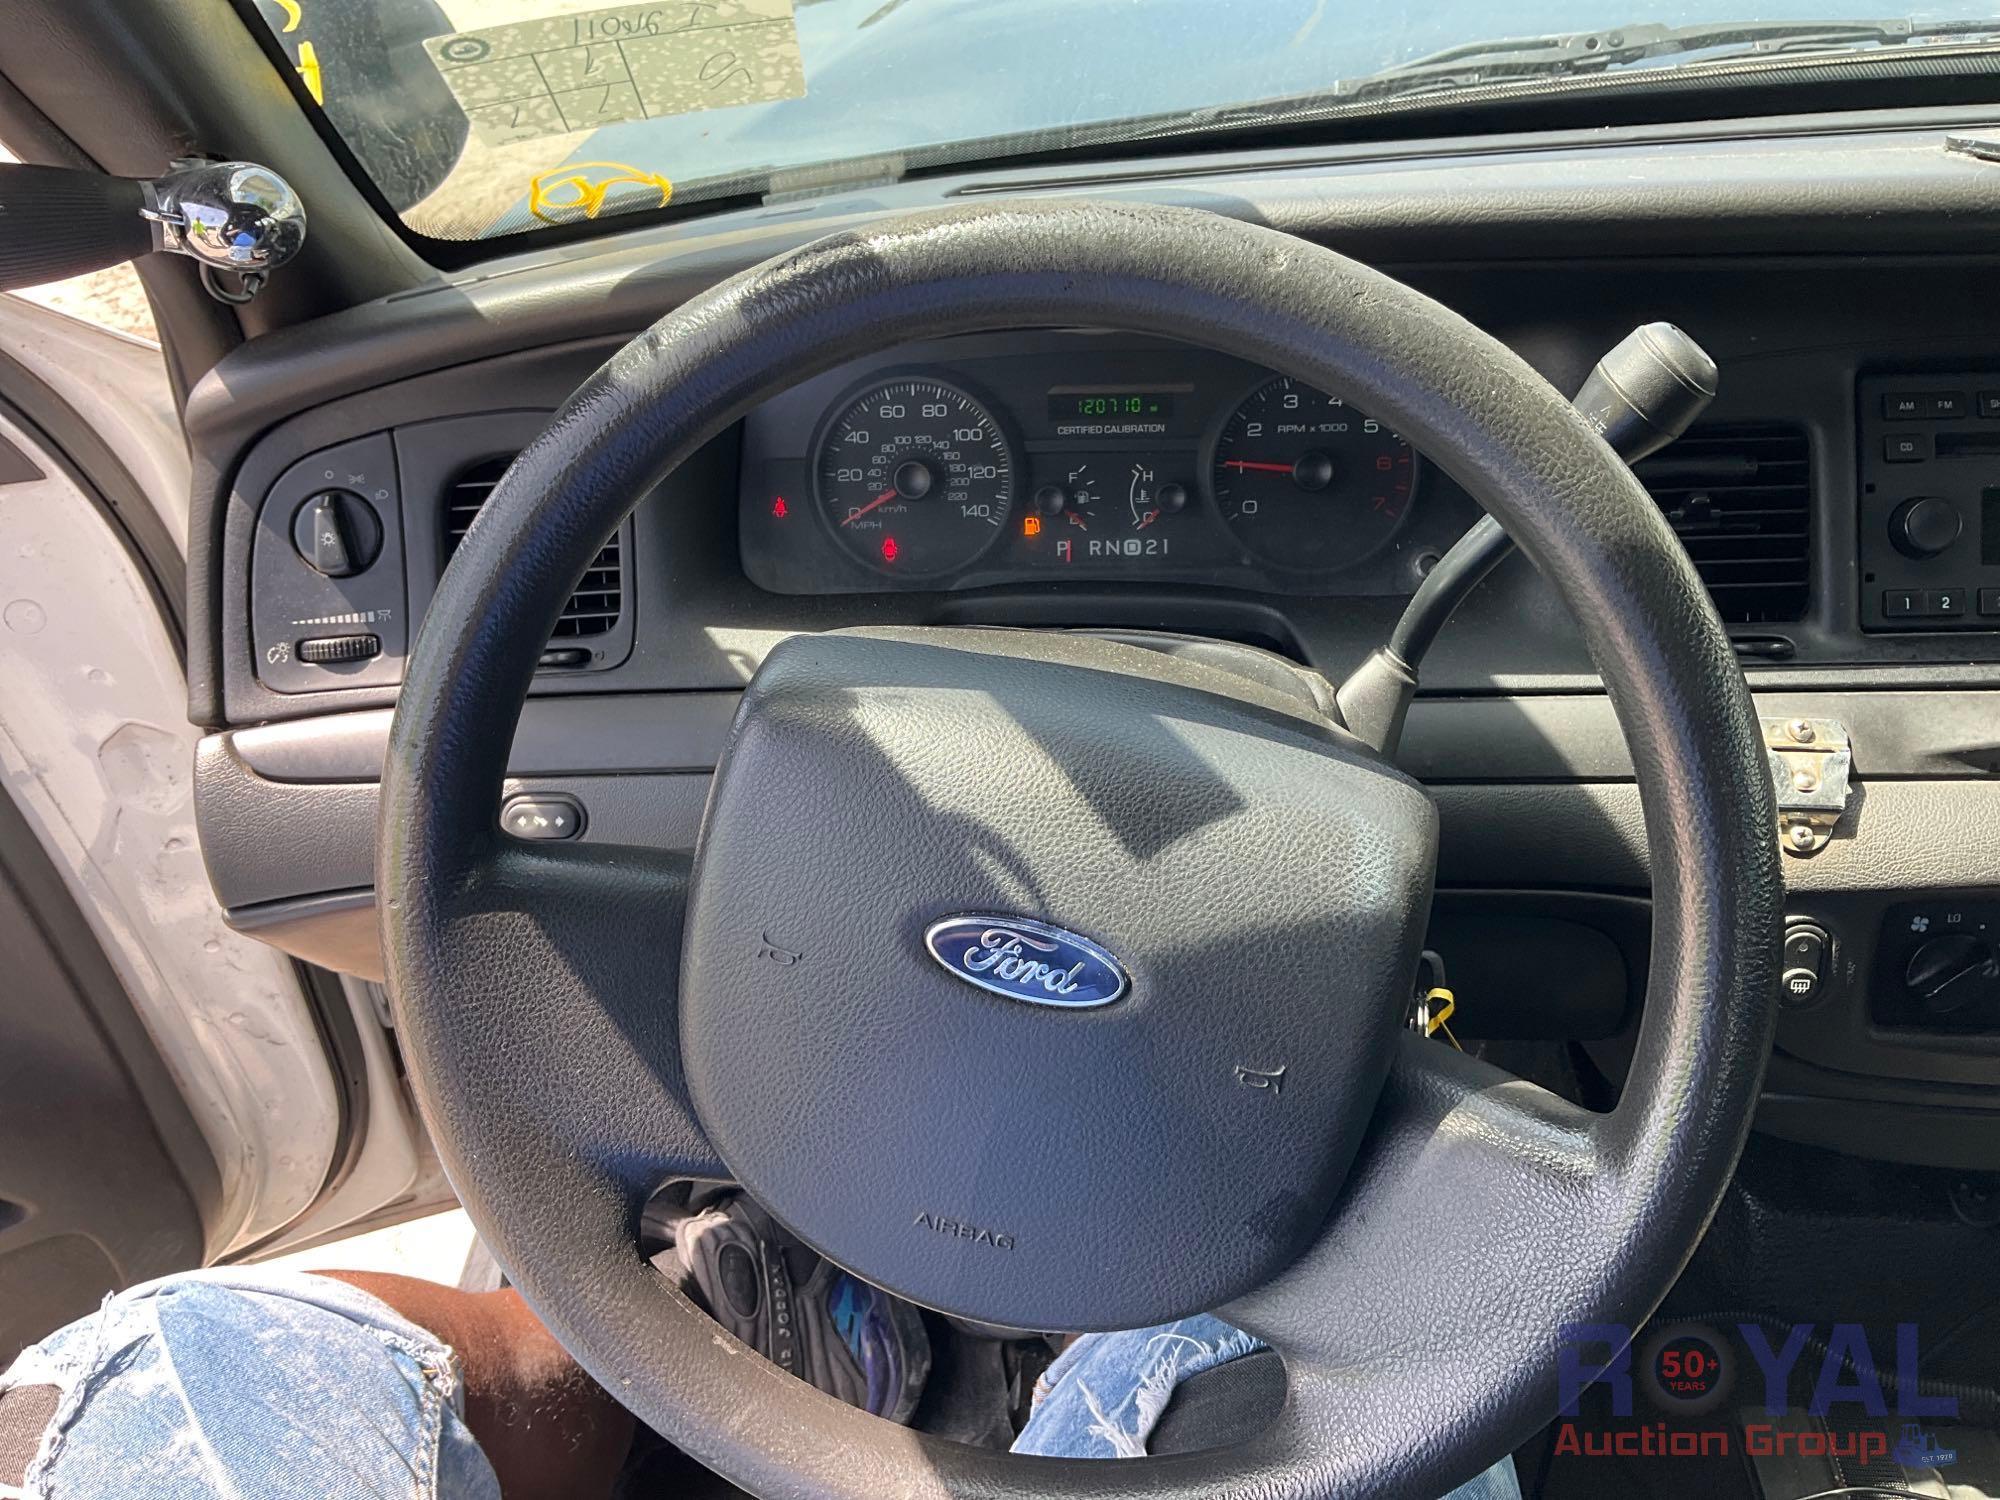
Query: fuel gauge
[[1074, 504], [1086, 497]]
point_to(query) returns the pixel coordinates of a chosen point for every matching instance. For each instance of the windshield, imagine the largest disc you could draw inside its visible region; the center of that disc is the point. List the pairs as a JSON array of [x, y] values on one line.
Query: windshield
[[479, 118]]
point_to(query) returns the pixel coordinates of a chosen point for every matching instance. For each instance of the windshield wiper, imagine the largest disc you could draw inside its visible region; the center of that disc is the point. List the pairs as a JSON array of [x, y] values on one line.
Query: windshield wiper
[[1585, 54]]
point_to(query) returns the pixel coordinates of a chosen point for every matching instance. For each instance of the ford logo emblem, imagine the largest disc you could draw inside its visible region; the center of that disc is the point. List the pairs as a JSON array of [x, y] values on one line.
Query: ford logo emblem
[[1026, 960]]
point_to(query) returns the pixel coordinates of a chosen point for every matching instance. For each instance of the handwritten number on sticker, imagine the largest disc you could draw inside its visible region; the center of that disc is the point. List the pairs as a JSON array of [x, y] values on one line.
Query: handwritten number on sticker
[[721, 68], [659, 21]]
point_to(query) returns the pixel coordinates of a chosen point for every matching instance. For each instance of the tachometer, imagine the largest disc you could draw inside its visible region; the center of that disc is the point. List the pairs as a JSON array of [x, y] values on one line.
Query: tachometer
[[914, 476], [1308, 483]]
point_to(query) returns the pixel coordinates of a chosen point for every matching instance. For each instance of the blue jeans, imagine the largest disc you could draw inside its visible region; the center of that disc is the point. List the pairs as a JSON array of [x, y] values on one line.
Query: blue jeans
[[260, 1385], [1104, 1394], [247, 1384]]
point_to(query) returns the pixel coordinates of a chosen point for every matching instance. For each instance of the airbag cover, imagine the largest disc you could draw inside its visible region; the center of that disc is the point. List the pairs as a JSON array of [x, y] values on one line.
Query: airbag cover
[[1261, 879]]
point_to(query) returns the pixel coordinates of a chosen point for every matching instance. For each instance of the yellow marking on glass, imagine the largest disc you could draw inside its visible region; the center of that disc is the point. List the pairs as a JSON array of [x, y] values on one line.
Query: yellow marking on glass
[[293, 15], [309, 71], [578, 187]]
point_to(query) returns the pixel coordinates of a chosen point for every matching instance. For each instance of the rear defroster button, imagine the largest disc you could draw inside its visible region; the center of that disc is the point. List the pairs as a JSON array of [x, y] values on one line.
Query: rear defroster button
[[542, 818], [1804, 965]]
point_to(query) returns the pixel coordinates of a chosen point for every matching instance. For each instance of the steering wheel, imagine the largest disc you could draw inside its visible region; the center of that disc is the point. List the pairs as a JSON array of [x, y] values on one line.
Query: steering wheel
[[1249, 1127]]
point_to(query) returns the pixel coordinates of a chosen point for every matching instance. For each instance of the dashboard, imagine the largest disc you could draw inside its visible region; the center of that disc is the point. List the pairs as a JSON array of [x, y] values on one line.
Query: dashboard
[[1841, 500], [1072, 455]]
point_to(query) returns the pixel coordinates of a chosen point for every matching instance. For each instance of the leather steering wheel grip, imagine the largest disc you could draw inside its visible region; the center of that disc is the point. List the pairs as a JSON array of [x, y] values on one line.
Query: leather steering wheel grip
[[535, 987]]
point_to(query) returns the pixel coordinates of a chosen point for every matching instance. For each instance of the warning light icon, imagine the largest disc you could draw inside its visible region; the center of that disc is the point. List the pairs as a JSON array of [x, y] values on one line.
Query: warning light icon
[[1031, 526], [890, 550], [779, 510]]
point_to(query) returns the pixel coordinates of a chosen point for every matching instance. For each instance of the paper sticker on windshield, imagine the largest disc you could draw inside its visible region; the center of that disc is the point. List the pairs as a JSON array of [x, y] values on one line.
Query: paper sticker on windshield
[[628, 62]]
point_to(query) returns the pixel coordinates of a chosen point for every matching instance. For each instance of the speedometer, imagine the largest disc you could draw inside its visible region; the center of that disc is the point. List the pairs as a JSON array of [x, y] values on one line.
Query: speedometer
[[1308, 483], [914, 476]]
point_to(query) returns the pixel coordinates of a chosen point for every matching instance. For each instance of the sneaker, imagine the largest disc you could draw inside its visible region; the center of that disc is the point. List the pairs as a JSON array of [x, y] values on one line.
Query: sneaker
[[801, 1311]]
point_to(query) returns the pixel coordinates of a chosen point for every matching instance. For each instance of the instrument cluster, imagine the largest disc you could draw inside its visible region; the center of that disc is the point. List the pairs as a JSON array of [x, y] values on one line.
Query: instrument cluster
[[1046, 457]]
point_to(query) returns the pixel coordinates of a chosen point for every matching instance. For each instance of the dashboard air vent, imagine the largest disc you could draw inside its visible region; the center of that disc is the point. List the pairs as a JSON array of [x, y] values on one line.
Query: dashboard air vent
[[599, 599], [1740, 499]]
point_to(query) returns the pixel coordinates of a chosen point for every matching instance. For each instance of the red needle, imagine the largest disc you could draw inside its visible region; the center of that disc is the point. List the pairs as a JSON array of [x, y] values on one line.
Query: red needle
[[882, 499], [1240, 464]]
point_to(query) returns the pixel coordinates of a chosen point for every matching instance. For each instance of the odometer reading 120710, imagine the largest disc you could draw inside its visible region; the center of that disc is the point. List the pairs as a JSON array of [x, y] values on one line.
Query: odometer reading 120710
[[914, 477]]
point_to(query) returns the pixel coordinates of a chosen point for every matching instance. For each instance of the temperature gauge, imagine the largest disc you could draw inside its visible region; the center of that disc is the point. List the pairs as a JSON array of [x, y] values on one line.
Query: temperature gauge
[[1148, 499]]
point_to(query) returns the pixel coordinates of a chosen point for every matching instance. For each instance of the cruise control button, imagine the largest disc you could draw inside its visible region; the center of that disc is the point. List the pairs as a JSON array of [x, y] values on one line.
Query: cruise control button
[[542, 818]]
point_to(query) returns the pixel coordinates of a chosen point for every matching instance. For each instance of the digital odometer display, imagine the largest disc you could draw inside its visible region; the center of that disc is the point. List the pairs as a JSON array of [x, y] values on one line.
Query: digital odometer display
[[1110, 406]]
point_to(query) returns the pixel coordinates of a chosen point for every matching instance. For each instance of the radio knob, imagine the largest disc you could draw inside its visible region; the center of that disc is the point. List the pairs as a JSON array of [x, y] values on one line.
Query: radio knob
[[1925, 526]]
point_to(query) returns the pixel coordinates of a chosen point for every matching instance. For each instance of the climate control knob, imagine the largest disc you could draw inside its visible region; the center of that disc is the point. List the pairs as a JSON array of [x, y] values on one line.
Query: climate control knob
[[1948, 971], [1925, 526]]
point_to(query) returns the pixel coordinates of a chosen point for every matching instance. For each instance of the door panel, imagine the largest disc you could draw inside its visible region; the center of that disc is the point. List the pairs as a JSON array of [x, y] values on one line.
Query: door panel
[[168, 1092], [104, 1179]]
